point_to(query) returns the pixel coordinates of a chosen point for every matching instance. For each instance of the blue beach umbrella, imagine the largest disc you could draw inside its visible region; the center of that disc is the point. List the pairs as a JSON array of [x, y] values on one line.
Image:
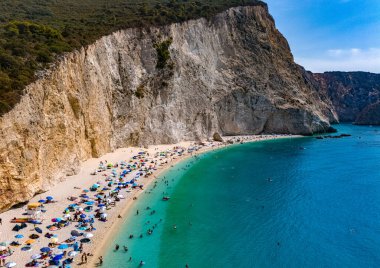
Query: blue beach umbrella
[[49, 198], [41, 201], [45, 249], [82, 216], [57, 258], [89, 203], [63, 246], [18, 236], [55, 263]]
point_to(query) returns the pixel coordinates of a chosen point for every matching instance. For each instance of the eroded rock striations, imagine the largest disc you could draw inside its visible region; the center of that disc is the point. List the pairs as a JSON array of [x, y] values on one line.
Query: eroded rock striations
[[232, 74], [354, 95]]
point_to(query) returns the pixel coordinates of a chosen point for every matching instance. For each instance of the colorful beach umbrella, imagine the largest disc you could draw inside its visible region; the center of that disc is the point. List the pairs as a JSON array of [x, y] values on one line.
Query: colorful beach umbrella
[[53, 228], [10, 264], [49, 198], [30, 241], [18, 236]]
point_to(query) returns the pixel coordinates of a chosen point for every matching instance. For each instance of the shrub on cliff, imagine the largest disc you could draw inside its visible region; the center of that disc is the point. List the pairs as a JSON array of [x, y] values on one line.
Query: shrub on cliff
[[34, 32], [163, 53]]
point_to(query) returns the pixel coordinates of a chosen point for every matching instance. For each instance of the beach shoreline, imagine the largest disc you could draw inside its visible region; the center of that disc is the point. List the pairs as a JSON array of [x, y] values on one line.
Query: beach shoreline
[[101, 245], [73, 185]]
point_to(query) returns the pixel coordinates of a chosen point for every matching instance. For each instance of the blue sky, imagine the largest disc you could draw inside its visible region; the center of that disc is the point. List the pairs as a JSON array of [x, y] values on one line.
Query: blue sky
[[331, 35]]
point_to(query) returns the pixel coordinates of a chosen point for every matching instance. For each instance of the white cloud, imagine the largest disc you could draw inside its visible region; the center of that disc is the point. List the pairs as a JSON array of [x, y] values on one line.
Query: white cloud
[[353, 59]]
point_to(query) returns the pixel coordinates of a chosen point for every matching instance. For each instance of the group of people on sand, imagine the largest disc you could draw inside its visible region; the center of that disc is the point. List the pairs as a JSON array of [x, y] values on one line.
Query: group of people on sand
[[88, 209]]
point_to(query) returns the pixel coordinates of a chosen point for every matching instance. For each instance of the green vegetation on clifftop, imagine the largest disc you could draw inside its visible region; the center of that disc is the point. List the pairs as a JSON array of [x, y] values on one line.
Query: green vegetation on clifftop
[[34, 32]]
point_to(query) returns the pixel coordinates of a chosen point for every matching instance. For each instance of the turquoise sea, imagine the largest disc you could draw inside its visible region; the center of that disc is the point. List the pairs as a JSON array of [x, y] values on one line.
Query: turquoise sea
[[298, 202]]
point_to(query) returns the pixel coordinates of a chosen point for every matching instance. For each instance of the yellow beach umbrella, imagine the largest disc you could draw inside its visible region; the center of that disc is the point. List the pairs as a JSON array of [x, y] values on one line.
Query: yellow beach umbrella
[[54, 240], [30, 241]]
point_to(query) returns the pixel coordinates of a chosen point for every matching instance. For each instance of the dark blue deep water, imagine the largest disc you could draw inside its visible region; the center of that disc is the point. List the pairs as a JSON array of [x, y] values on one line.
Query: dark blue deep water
[[320, 207]]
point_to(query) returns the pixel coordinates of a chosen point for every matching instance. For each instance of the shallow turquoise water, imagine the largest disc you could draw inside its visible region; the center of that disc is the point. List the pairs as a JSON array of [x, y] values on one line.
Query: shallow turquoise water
[[320, 208]]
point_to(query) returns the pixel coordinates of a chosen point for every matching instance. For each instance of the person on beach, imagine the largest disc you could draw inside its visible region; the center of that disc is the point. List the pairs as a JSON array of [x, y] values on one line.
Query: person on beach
[[84, 258], [100, 260], [1, 221], [117, 247], [125, 248]]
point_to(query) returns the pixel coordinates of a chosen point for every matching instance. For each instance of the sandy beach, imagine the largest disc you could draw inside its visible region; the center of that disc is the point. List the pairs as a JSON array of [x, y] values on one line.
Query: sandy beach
[[74, 186]]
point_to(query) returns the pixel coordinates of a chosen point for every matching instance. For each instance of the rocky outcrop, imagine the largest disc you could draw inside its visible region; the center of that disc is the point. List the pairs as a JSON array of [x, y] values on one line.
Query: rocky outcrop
[[354, 95], [232, 74], [217, 137]]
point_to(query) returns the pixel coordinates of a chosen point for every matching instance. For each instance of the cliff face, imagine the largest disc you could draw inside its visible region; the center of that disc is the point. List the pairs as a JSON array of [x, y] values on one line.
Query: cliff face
[[233, 74], [354, 95], [370, 115]]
